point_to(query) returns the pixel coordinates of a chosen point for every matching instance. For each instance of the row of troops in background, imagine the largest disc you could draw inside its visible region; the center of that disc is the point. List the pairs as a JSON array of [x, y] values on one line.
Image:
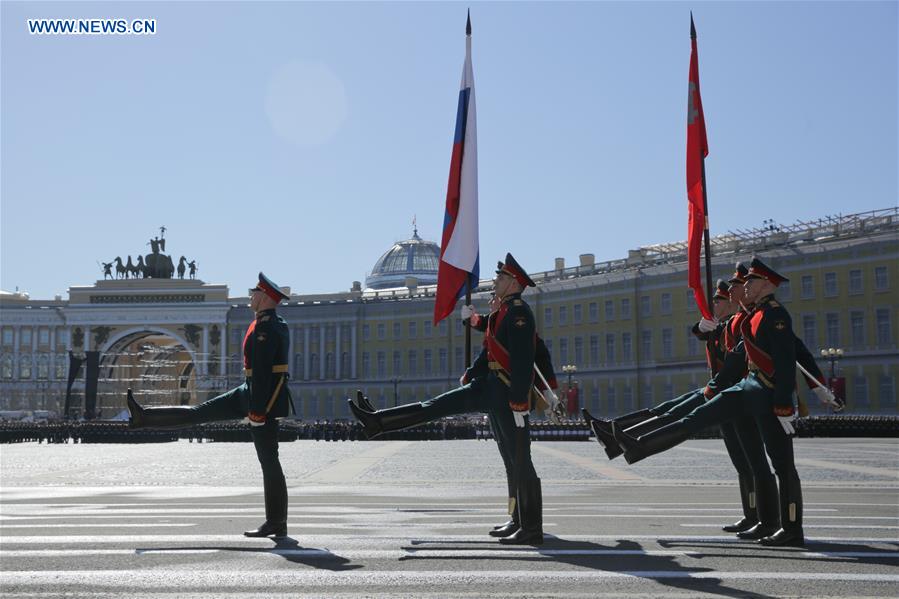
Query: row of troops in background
[[753, 355]]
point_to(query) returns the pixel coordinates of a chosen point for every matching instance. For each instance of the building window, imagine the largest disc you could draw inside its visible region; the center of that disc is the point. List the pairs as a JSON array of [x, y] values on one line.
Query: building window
[[665, 307], [427, 329], [43, 366], [298, 367], [61, 365], [857, 326], [594, 398], [784, 292], [625, 309], [830, 284], [330, 366], [610, 348], [26, 337], [563, 350], [382, 365], [579, 351], [645, 305], [578, 313], [610, 397], [881, 282], [646, 350], [397, 363], [563, 315], [884, 334], [627, 398], [809, 331], [366, 332], [25, 367], [886, 393], [647, 395], [666, 343], [626, 347], [397, 330], [459, 356], [443, 327], [366, 365], [6, 367], [429, 366], [808, 286], [382, 331], [413, 363], [7, 336], [667, 391], [442, 360], [691, 300], [594, 350], [692, 342], [459, 326], [832, 333], [855, 282], [43, 336], [860, 392], [413, 329], [547, 317], [610, 310], [62, 338], [593, 312]]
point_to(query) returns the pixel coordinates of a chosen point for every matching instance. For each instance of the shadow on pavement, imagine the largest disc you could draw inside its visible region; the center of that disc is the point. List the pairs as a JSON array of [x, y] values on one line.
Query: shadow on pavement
[[664, 569], [286, 547]]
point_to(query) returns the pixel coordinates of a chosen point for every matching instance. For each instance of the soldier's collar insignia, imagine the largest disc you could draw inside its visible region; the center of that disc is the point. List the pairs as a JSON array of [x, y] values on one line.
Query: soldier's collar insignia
[[780, 325]]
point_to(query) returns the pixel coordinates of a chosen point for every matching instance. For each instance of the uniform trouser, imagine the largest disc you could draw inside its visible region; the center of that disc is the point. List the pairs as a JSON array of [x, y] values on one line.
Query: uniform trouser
[[486, 395], [749, 401], [668, 412], [231, 405]]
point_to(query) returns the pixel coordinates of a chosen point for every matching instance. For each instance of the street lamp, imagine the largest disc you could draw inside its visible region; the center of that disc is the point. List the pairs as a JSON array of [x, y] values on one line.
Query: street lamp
[[570, 370], [833, 355], [571, 398], [396, 383]]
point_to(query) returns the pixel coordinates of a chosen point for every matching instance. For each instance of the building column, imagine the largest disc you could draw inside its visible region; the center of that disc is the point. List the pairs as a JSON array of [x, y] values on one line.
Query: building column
[[306, 353], [87, 337], [223, 350], [339, 329], [69, 339], [353, 350], [204, 361], [322, 333], [294, 334], [16, 340]]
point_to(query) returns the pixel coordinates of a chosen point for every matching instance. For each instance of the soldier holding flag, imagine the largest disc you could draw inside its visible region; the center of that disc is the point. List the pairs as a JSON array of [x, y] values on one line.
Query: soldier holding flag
[[500, 383]]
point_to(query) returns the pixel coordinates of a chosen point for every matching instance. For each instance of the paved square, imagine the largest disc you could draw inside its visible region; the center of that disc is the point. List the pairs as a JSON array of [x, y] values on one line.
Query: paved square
[[409, 519]]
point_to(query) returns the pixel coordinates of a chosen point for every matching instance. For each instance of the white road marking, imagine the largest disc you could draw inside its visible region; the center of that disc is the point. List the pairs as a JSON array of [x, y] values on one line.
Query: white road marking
[[474, 553]]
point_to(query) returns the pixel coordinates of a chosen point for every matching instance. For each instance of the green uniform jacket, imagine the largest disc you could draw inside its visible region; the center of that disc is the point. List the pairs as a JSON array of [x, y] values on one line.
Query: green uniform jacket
[[266, 349]]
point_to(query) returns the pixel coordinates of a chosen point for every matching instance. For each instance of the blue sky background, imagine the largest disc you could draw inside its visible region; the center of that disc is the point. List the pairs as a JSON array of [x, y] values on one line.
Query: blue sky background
[[301, 138]]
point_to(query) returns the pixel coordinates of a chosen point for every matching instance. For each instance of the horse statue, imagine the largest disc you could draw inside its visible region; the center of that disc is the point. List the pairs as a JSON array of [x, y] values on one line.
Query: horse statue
[[159, 266], [181, 267], [140, 268], [131, 268], [120, 270]]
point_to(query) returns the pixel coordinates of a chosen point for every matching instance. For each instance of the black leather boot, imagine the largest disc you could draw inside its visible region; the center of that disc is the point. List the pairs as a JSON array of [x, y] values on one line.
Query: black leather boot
[[510, 527], [168, 417], [371, 424], [790, 533], [650, 443], [602, 430], [363, 403], [393, 419], [766, 503], [747, 498], [530, 511], [268, 529]]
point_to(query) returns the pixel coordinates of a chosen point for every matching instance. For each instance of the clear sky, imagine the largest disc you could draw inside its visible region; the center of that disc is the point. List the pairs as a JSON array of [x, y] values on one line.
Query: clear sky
[[301, 138]]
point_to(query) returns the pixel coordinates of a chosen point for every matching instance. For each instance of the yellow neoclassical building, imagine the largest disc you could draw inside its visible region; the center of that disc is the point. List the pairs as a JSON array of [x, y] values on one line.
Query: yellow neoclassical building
[[622, 324]]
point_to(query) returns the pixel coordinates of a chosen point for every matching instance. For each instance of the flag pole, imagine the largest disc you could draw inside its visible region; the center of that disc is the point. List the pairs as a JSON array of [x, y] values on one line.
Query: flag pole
[[468, 279], [705, 236]]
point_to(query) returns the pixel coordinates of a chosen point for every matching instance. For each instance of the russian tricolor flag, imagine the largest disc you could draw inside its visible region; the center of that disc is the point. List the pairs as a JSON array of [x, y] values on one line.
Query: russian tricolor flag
[[458, 270]]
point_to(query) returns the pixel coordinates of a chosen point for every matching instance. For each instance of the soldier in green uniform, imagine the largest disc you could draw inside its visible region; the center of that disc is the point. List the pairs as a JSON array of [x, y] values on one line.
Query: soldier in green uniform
[[766, 394], [262, 399], [500, 383]]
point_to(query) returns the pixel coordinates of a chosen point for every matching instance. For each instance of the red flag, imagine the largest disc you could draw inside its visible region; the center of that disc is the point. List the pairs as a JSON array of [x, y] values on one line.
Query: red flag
[[697, 150]]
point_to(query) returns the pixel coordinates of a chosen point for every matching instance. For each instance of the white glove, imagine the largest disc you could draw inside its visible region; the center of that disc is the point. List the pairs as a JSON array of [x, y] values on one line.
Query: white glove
[[254, 423], [707, 326], [520, 418], [826, 396], [552, 409], [787, 423], [467, 312]]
